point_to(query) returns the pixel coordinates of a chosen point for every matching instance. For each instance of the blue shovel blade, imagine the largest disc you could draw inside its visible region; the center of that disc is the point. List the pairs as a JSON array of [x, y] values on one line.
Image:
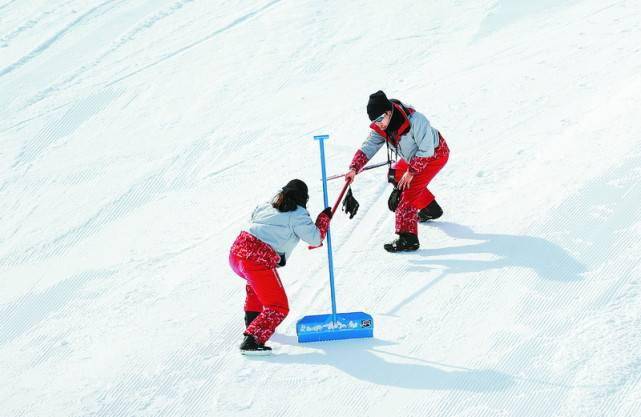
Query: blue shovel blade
[[346, 326]]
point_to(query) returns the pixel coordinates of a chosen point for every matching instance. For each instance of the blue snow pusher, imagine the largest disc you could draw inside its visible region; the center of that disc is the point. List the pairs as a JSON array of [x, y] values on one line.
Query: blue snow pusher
[[343, 326], [333, 326]]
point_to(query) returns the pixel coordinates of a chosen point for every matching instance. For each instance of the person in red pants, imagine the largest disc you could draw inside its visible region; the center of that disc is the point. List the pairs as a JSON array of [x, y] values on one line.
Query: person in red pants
[[423, 152], [275, 229]]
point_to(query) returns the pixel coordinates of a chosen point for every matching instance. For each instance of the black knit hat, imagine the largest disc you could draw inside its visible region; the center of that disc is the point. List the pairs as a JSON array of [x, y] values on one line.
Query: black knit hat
[[297, 191], [378, 104]]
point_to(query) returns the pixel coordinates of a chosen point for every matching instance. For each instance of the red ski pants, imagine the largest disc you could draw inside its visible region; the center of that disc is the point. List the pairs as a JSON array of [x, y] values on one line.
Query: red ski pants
[[417, 196], [265, 294]]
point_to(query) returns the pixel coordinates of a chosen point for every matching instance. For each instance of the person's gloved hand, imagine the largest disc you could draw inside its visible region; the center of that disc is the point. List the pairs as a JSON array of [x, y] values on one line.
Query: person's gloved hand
[[394, 199], [350, 205], [322, 222]]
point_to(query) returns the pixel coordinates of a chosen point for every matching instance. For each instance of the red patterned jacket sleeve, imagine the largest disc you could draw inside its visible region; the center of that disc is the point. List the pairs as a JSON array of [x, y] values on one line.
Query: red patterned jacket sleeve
[[418, 164], [322, 222], [359, 161]]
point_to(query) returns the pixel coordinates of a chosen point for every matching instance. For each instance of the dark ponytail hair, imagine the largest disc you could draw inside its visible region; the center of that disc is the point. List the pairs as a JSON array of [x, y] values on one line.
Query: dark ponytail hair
[[283, 204], [291, 196]]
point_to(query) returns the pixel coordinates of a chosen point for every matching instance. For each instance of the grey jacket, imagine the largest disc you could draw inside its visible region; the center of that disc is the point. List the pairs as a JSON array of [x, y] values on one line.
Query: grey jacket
[[421, 140], [282, 231]]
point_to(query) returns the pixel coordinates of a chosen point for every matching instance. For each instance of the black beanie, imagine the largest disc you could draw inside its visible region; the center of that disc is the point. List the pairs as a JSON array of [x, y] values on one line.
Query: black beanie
[[297, 191], [378, 104]]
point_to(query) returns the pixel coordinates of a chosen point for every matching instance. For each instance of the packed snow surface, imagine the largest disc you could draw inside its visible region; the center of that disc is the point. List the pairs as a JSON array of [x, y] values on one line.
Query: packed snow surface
[[137, 136]]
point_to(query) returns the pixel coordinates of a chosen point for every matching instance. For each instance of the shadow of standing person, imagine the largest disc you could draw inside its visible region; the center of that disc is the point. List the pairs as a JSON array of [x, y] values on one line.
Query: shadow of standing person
[[550, 261]]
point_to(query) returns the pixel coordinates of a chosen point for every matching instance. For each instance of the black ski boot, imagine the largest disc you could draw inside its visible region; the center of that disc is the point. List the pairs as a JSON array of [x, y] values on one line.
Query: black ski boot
[[251, 347], [406, 242], [250, 316], [432, 212]]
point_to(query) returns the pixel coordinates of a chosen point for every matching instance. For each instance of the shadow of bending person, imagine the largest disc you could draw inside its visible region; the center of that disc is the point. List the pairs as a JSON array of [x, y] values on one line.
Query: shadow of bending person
[[359, 359], [548, 260]]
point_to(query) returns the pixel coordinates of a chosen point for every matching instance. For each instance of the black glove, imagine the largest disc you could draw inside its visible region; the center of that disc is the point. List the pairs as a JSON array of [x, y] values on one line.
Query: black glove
[[282, 261], [394, 198], [350, 205], [328, 211]]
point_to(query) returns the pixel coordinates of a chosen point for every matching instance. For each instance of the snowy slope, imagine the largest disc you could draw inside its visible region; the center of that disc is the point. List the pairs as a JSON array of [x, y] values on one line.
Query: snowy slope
[[137, 136]]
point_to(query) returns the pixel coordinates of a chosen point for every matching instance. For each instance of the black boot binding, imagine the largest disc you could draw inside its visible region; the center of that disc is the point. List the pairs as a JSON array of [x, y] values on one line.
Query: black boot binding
[[406, 242], [432, 212], [251, 347]]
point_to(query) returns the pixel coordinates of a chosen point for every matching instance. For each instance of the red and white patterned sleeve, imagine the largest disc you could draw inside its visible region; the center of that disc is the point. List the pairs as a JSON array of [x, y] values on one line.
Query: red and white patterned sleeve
[[358, 161]]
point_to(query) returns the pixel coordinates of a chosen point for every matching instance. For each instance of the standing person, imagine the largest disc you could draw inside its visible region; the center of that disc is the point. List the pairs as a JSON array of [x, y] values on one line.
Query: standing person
[[423, 153], [275, 229]]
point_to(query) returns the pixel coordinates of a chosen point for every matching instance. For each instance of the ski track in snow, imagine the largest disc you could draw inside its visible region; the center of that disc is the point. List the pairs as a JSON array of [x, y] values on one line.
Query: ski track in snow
[[30, 24], [188, 47], [51, 41], [147, 189], [116, 295], [79, 113], [124, 41], [9, 3]]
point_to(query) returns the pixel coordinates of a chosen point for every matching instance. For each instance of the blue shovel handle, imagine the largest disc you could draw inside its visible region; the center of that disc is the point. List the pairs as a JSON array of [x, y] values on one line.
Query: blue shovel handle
[[321, 141]]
